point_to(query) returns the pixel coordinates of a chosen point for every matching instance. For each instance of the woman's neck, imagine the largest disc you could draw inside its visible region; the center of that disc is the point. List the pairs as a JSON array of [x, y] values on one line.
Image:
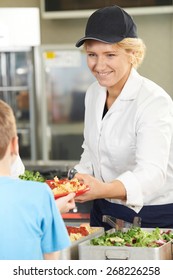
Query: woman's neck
[[114, 91], [110, 100]]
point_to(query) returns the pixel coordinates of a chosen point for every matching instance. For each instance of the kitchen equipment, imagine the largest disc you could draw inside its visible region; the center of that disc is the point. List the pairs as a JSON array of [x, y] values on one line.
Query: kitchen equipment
[[19, 45], [119, 224], [66, 78], [91, 252]]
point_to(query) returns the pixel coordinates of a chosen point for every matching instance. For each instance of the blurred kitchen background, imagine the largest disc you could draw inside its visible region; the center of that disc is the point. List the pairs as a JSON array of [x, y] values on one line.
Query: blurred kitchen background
[[44, 77]]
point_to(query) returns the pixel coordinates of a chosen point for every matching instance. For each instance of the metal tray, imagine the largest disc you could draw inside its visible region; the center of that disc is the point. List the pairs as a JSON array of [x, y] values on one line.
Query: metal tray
[[91, 252], [72, 253]]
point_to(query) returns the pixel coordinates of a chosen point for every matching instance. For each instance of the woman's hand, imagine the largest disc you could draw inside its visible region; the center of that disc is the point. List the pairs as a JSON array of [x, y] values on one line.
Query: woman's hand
[[66, 203], [97, 188]]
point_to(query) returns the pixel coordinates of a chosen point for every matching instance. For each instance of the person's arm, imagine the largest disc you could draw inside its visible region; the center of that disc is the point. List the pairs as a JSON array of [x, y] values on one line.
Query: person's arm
[[52, 256], [55, 236], [66, 203], [98, 189], [140, 185]]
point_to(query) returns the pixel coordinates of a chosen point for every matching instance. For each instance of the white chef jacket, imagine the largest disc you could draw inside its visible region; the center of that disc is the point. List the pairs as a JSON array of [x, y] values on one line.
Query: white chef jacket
[[133, 143]]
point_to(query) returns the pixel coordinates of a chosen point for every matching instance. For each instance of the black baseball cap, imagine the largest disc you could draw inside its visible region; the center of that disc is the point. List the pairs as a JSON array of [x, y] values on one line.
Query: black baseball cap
[[109, 25]]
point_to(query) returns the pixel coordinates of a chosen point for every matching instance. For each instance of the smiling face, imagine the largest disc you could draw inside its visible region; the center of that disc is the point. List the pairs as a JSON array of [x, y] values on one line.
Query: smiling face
[[109, 64]]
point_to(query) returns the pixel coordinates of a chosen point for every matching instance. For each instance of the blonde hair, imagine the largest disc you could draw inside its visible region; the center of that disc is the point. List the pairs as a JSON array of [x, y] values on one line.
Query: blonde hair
[[7, 127], [134, 47]]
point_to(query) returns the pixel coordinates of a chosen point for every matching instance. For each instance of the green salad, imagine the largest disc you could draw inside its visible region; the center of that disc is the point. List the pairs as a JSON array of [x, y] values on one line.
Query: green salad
[[134, 237], [32, 176]]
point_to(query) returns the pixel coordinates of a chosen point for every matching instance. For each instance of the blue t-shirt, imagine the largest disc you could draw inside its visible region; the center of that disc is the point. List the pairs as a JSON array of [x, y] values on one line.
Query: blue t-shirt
[[30, 223]]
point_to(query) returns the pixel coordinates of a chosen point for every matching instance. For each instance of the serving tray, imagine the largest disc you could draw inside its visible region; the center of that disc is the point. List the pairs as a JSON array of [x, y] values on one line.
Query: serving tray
[[72, 253], [92, 252]]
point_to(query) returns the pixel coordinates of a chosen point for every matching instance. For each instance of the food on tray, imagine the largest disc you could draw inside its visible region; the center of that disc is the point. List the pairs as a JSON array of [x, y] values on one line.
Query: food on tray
[[62, 187], [76, 233], [134, 237]]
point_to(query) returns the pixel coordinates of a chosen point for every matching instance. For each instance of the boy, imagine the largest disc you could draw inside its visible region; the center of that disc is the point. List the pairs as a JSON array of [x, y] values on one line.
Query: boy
[[31, 226]]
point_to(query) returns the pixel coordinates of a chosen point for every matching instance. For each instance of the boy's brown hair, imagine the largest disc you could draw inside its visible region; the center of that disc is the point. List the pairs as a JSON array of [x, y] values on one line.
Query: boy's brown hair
[[7, 127]]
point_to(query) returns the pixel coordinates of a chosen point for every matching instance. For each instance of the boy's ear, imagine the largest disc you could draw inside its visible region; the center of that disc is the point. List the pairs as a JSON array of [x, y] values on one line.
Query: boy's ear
[[14, 146]]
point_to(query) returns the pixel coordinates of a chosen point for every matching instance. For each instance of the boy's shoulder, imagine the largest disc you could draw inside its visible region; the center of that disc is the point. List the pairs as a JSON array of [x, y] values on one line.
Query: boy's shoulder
[[35, 186], [24, 187]]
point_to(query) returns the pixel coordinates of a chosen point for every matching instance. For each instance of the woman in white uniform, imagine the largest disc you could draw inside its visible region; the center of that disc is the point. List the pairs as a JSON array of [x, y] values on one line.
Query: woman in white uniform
[[127, 158]]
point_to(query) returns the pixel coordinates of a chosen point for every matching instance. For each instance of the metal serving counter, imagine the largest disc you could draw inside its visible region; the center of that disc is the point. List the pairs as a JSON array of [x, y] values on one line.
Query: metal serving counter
[[86, 251]]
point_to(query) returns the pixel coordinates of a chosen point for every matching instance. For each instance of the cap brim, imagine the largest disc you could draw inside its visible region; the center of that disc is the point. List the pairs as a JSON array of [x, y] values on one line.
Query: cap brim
[[82, 40], [110, 41]]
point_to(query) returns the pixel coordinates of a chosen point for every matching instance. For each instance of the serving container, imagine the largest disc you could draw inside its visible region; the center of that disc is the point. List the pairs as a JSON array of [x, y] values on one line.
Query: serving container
[[93, 252], [72, 253]]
